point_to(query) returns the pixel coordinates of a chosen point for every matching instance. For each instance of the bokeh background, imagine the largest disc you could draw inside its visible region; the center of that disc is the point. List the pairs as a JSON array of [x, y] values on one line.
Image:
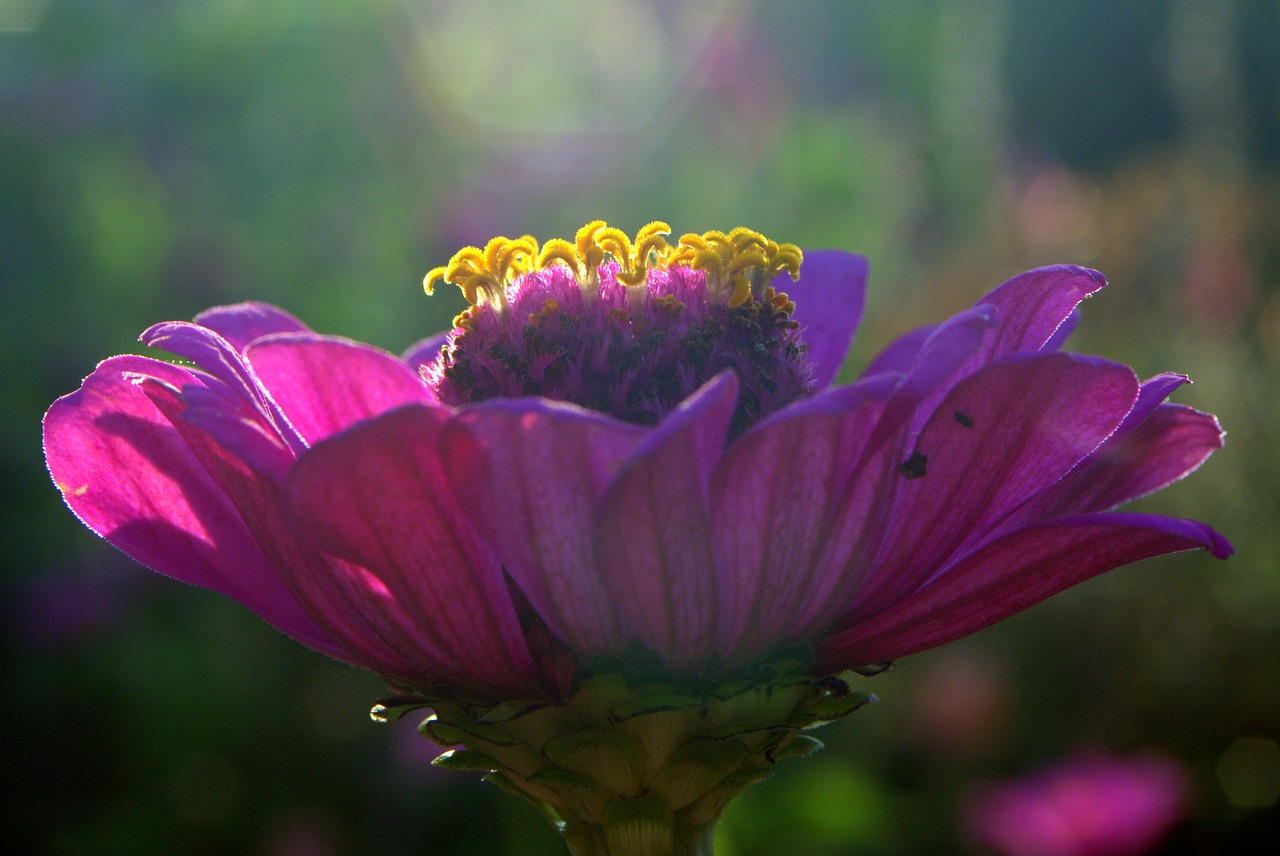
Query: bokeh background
[[161, 156]]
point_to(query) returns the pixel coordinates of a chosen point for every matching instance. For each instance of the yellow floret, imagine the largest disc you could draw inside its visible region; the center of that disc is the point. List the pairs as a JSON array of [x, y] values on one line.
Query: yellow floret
[[736, 264]]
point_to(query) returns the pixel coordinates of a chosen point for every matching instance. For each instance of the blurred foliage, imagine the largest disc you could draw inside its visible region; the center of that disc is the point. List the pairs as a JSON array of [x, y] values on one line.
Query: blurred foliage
[[161, 156]]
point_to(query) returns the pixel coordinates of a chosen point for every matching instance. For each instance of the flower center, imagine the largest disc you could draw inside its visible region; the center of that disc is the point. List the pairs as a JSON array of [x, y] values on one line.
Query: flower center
[[625, 327]]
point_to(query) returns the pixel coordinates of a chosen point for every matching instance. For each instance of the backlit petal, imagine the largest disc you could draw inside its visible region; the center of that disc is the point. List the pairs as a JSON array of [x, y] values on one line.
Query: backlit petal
[[654, 546], [325, 384], [530, 473], [829, 297], [376, 495], [1011, 574]]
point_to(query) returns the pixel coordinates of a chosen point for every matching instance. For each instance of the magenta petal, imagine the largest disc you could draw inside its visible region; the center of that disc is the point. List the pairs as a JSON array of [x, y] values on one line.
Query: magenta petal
[[829, 297], [1010, 574], [130, 477], [325, 384], [233, 423], [376, 495], [654, 546], [241, 323], [216, 356], [773, 498], [530, 473], [997, 439]]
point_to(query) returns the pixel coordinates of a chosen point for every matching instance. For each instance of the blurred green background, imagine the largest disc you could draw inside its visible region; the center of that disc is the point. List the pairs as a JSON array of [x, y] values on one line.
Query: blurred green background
[[161, 156]]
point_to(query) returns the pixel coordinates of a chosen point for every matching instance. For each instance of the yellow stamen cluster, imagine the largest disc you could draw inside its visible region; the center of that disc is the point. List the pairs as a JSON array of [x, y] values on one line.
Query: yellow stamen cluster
[[735, 263]]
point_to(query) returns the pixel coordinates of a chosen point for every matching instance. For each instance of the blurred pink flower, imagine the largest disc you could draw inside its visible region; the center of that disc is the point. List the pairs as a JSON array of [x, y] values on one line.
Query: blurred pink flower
[[1090, 806]]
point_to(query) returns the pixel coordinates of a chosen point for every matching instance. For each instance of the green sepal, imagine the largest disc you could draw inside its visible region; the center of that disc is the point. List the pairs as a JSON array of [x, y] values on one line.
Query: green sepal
[[553, 776], [658, 703], [747, 776], [465, 759], [453, 734], [568, 744], [742, 729], [801, 746], [726, 754], [393, 708], [831, 708], [509, 710], [504, 783]]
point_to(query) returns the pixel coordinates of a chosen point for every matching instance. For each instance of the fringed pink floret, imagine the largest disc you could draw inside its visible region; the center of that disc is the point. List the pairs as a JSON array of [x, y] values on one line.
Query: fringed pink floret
[[599, 326]]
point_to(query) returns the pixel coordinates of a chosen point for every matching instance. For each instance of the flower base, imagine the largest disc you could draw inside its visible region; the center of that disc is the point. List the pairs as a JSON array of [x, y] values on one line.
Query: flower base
[[634, 767]]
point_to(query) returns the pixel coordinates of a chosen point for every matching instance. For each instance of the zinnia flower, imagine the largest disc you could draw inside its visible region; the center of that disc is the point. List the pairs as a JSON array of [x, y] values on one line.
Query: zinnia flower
[[1089, 806], [617, 529]]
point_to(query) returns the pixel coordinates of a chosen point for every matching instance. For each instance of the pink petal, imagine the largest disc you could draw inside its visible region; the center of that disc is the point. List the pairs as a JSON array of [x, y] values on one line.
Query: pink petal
[[1009, 575], [223, 362], [235, 424], [129, 475], [829, 297], [654, 546], [998, 438], [773, 498], [241, 323], [376, 495], [325, 384], [335, 595], [530, 474]]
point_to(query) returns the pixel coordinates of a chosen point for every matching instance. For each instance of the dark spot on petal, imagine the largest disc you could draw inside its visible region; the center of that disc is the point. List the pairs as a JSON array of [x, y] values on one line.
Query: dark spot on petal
[[913, 467], [964, 419]]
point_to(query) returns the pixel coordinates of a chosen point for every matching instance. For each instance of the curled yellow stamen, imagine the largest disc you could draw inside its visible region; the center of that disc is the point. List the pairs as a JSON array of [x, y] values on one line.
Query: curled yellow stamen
[[736, 264]]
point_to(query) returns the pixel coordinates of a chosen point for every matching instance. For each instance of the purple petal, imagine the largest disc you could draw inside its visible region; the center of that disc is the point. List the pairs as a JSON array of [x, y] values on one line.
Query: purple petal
[[1011, 574], [1032, 307], [901, 353], [530, 473], [325, 384], [1064, 331], [860, 523], [948, 346], [829, 297], [241, 323], [425, 352], [654, 546], [773, 497], [1155, 445], [376, 495], [130, 477], [998, 438], [1172, 442]]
